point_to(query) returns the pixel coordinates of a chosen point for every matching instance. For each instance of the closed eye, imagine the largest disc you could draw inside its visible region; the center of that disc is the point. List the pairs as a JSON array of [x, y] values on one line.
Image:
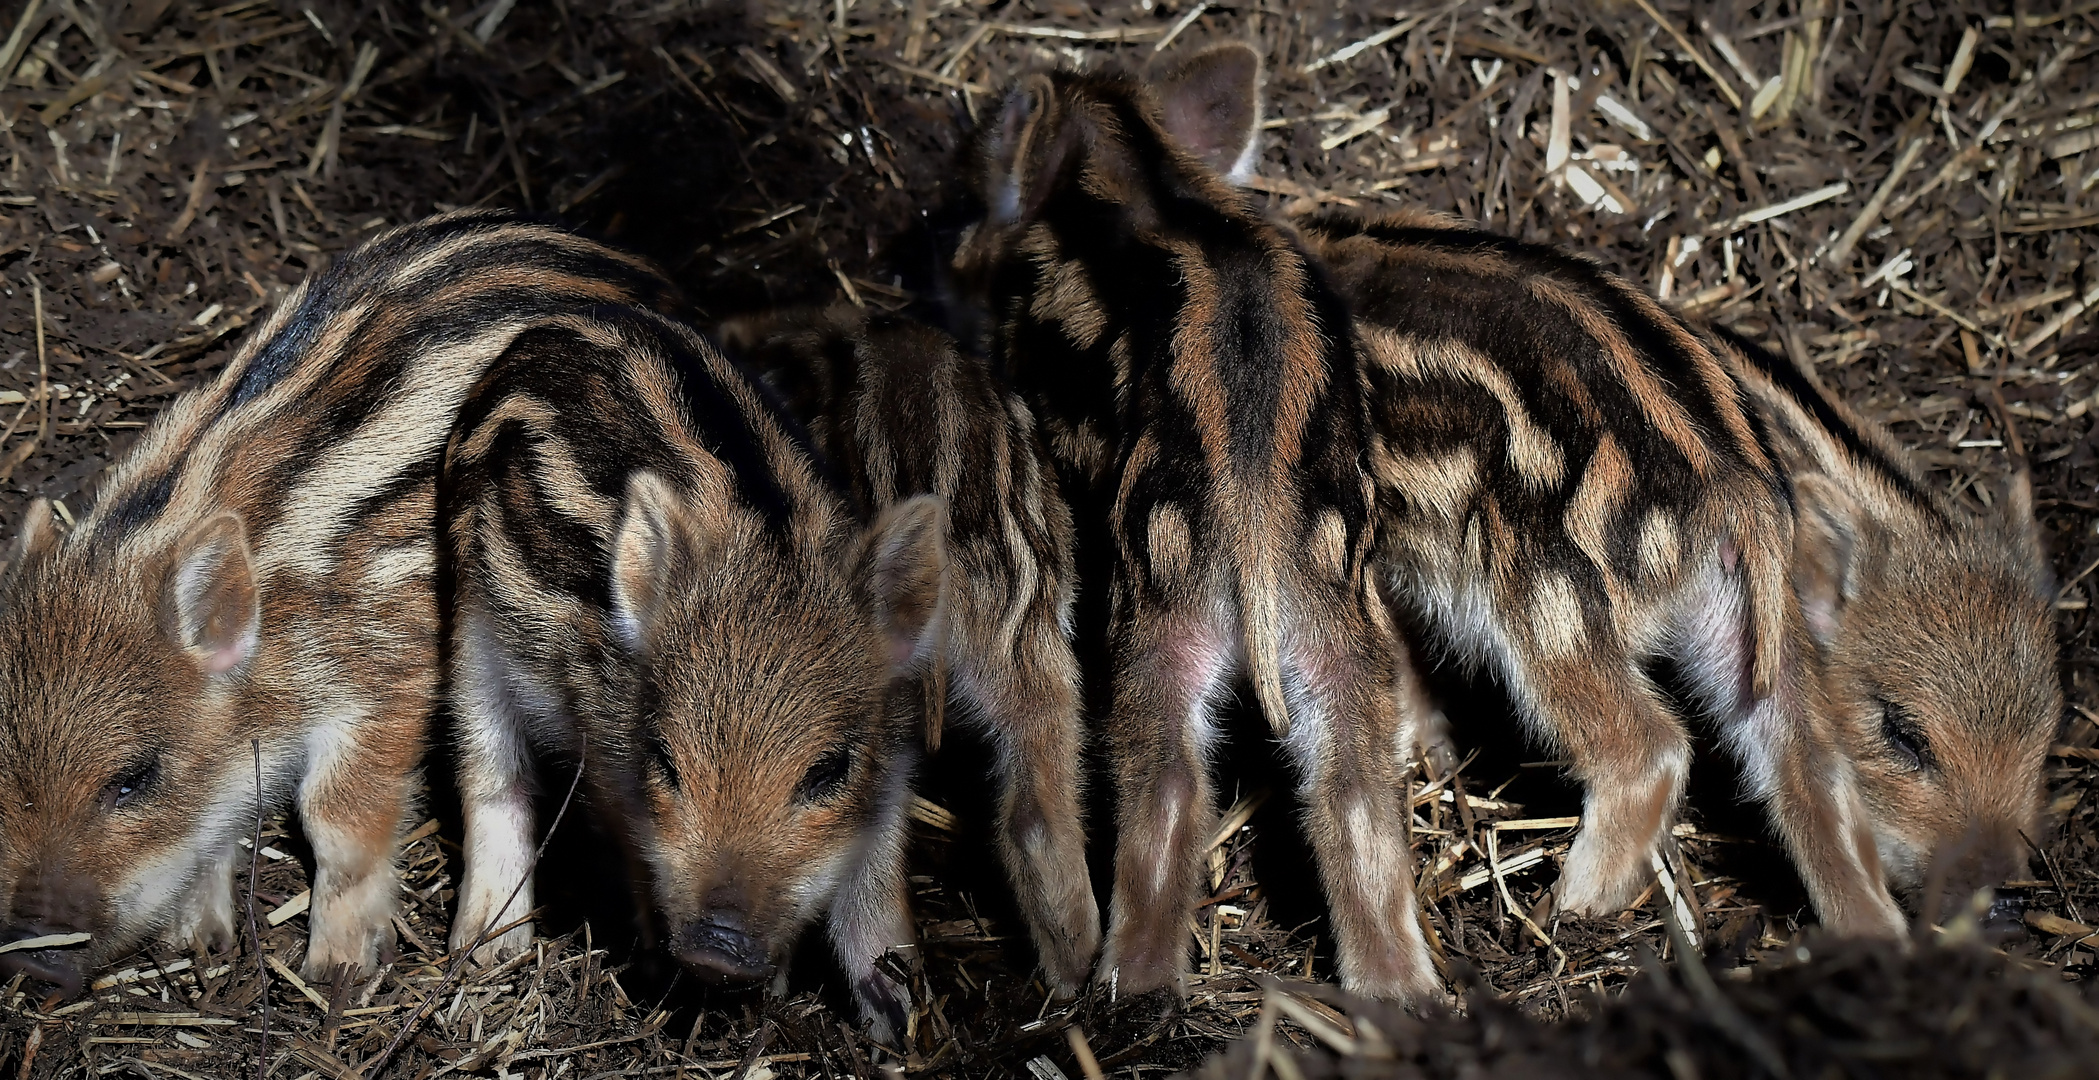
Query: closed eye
[[1904, 737], [826, 775], [659, 754]]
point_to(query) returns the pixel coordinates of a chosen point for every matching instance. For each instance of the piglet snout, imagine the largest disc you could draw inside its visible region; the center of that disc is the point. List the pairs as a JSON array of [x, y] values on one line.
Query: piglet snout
[[1973, 874], [55, 967], [719, 947], [2005, 914]]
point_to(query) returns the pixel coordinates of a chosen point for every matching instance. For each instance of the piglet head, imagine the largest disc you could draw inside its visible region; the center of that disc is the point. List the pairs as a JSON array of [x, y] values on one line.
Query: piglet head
[[117, 678], [1938, 651], [766, 765], [1060, 128]]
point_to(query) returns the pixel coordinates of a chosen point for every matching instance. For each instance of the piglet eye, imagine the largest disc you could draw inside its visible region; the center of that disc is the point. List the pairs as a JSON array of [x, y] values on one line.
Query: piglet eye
[[1903, 736], [132, 784], [659, 753], [826, 775]]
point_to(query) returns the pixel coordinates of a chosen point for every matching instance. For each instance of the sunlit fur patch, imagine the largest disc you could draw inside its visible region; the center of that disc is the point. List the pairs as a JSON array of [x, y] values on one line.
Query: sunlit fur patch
[[1168, 544], [1555, 617], [1659, 546], [1443, 485]]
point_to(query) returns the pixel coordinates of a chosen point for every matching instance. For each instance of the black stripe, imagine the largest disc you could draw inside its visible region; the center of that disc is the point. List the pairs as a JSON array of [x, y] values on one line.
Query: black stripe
[[727, 432], [282, 353], [1816, 404], [138, 508]]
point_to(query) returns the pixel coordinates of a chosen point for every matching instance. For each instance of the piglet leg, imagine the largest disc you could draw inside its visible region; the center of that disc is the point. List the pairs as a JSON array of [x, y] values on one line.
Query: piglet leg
[[871, 916], [355, 798], [1353, 709], [495, 794], [206, 921], [1813, 798], [1169, 666], [1032, 709], [1632, 757]]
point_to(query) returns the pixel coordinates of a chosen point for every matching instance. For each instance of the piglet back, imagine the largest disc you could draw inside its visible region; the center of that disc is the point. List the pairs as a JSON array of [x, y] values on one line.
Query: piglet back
[[346, 394]]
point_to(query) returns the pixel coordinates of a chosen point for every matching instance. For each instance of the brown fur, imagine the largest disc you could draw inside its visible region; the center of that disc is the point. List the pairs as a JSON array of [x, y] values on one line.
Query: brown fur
[[1203, 399], [1941, 639], [1627, 488], [257, 573], [901, 412], [655, 584]]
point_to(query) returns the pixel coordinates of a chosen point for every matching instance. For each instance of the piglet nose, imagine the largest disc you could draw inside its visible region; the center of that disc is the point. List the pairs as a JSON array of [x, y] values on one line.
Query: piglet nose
[[2006, 914], [719, 946]]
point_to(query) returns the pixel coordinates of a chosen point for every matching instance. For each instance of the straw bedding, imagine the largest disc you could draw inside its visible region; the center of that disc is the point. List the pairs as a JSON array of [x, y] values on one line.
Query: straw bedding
[[1899, 195]]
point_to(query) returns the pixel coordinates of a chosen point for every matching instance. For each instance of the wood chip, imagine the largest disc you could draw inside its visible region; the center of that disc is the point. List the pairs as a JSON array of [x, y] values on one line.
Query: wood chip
[[152, 1019], [1766, 213], [46, 941], [295, 906]]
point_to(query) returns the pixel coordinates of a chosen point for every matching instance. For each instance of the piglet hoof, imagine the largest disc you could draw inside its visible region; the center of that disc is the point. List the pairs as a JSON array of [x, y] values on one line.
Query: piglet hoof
[[886, 1007], [1067, 965], [206, 921], [1060, 988], [353, 950], [1408, 981], [497, 949], [203, 928], [1422, 995], [1064, 971], [1138, 971], [1592, 883]]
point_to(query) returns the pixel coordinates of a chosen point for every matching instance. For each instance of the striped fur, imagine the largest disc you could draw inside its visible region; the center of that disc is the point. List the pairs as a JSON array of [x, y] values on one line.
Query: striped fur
[[258, 572], [656, 583], [901, 412], [1574, 485], [1200, 393]]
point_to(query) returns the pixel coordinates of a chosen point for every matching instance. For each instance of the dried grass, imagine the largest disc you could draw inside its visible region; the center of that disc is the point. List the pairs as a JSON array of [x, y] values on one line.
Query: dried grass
[[1897, 195]]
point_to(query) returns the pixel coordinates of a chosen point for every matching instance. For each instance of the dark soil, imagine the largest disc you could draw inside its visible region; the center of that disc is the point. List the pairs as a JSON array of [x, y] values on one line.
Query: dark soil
[[170, 169]]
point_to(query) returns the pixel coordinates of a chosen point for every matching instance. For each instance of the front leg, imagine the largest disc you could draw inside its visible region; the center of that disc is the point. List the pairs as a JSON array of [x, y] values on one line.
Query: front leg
[[1032, 709], [206, 921], [495, 795], [1168, 668], [1813, 798], [870, 917], [354, 802]]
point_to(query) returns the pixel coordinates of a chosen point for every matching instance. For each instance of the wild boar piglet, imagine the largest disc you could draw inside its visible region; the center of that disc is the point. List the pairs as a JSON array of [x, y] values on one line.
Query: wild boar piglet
[[655, 584], [257, 576], [1200, 392], [900, 411], [1575, 485]]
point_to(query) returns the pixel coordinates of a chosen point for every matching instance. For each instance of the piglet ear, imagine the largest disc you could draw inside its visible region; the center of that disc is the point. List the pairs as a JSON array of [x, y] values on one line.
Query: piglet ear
[[1828, 549], [903, 567], [2022, 533], [1017, 152], [38, 534], [642, 555], [213, 606], [1211, 104]]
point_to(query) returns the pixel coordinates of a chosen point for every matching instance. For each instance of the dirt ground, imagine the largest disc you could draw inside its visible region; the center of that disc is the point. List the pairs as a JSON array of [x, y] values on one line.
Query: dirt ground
[[1897, 193]]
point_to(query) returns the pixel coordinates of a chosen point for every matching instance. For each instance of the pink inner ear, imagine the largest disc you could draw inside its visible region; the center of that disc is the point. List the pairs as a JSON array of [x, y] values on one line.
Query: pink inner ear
[[227, 657]]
